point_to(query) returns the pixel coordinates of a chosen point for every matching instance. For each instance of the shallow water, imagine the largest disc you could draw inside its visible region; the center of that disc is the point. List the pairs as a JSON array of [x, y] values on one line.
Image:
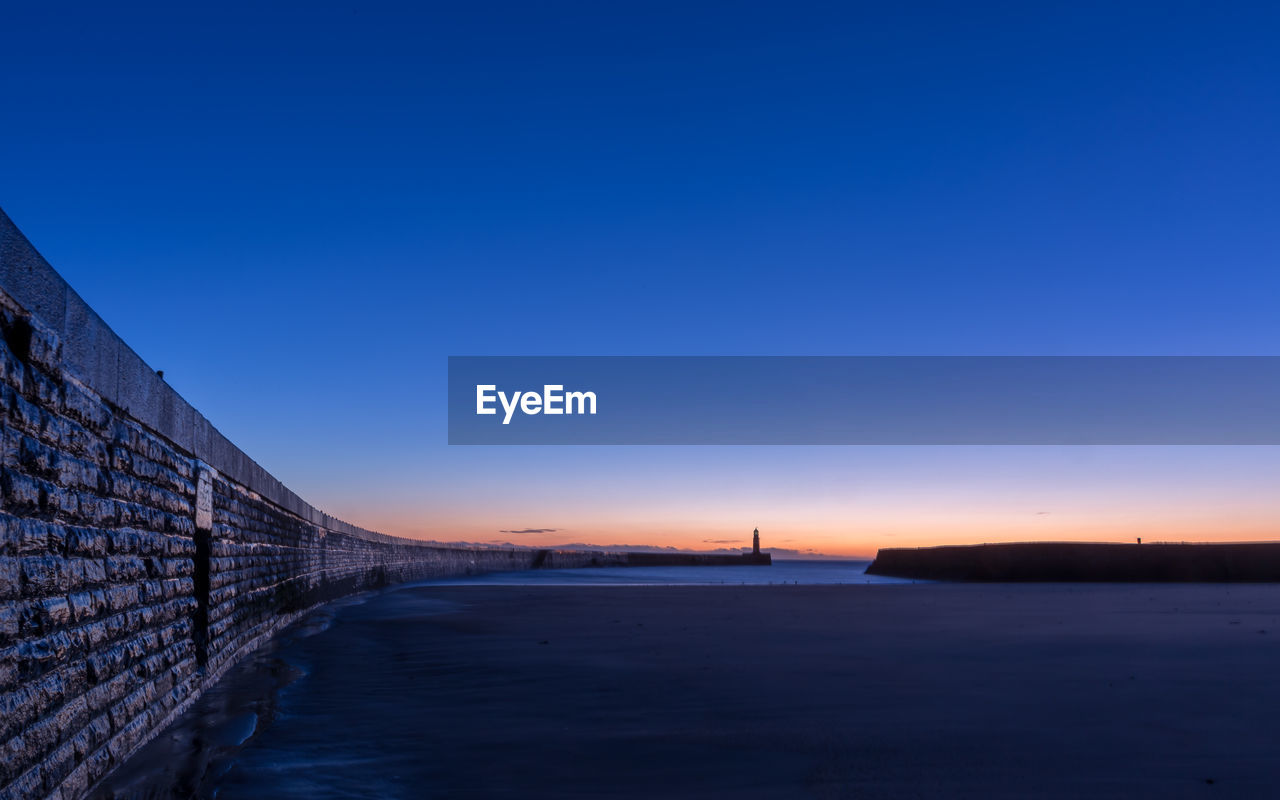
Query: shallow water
[[283, 722], [189, 757], [537, 691], [810, 573]]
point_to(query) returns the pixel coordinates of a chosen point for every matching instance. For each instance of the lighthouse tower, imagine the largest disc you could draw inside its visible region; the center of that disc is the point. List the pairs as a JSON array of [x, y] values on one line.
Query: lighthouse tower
[[755, 543]]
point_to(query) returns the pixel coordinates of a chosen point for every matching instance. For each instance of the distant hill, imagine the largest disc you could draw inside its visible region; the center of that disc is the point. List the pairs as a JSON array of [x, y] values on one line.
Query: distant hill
[[782, 553]]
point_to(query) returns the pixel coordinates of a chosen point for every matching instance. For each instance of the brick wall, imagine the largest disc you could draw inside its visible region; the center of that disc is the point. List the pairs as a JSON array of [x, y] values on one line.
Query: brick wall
[[141, 553]]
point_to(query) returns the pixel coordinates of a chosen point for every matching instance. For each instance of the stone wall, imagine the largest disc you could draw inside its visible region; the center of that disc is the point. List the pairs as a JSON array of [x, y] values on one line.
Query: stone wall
[[141, 553]]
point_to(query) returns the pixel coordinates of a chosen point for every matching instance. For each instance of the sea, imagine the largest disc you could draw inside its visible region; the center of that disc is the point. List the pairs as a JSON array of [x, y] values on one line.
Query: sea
[[289, 690], [826, 572]]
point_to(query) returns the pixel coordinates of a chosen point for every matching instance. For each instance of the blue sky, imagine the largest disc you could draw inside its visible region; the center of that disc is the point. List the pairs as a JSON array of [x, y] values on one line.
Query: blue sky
[[299, 212]]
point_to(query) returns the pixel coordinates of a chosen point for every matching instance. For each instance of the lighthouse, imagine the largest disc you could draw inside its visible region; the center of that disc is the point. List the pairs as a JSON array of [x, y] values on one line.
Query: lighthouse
[[755, 543]]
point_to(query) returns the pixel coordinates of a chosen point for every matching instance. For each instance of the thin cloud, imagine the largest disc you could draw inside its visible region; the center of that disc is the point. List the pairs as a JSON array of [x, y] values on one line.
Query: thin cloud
[[533, 530]]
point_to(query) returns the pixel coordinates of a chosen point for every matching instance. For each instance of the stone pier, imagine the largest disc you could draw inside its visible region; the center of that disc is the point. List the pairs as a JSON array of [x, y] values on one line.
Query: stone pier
[[141, 552]]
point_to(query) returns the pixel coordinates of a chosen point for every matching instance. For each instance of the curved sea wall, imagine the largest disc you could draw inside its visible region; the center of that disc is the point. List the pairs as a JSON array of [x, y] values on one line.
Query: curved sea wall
[[141, 552]]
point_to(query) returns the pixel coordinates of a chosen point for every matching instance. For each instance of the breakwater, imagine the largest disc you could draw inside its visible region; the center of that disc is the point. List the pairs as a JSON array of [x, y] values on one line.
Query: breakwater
[[692, 560], [141, 552], [1084, 561]]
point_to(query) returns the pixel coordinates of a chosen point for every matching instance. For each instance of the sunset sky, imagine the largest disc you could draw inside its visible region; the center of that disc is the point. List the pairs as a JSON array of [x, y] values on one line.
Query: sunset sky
[[373, 188]]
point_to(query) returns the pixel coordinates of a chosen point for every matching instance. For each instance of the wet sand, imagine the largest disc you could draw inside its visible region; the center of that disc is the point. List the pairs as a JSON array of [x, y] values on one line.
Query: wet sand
[[940, 690]]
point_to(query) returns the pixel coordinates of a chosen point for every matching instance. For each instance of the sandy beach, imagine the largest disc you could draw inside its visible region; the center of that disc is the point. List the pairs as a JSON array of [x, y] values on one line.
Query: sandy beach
[[930, 690]]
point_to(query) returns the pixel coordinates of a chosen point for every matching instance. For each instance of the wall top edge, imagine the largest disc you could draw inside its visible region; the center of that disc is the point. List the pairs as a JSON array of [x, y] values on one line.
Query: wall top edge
[[98, 358]]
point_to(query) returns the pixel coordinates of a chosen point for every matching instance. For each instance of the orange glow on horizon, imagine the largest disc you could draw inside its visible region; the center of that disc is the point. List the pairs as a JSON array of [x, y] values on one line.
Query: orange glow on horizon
[[837, 540], [846, 502]]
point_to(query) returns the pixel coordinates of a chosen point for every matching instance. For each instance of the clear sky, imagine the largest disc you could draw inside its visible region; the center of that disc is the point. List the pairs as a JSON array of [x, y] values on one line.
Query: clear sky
[[298, 212]]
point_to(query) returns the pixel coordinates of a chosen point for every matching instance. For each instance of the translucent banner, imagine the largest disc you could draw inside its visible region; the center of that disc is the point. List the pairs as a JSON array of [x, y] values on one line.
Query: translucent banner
[[864, 400]]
